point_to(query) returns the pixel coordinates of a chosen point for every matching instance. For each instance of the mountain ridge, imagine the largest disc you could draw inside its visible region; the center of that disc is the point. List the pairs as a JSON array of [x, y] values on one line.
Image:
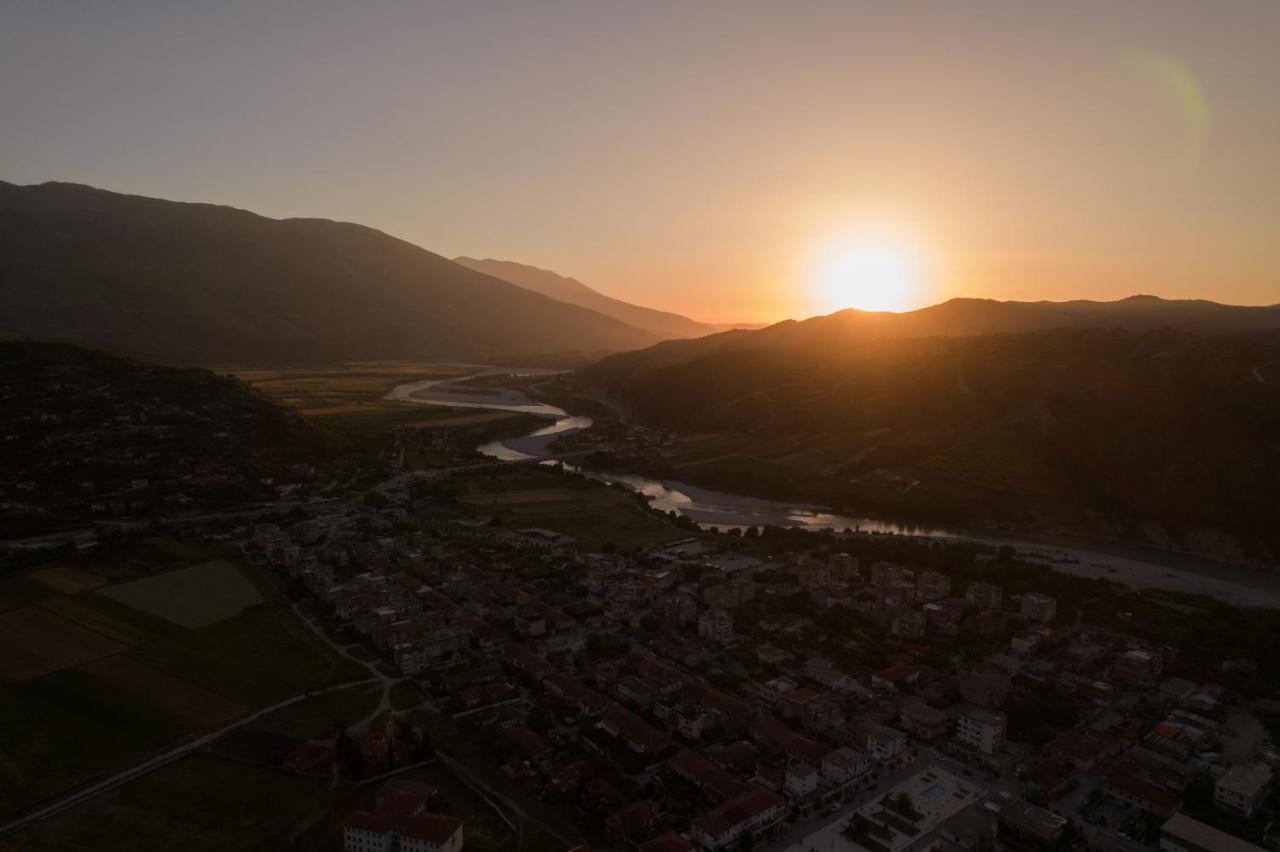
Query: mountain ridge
[[193, 282], [571, 290]]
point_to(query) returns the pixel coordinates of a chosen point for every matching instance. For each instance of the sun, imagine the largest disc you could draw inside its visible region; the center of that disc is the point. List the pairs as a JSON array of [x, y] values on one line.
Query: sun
[[871, 272]]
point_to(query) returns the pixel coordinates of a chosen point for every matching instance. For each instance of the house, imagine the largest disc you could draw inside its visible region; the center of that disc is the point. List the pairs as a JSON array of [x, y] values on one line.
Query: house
[[1241, 789], [750, 814]]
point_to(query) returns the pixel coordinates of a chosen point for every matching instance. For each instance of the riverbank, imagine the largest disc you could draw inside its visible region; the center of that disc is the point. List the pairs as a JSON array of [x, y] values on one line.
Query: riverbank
[[1132, 564]]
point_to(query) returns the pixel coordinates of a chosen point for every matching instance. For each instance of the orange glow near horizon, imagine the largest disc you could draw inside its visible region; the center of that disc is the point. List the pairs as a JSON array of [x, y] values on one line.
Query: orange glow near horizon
[[870, 271]]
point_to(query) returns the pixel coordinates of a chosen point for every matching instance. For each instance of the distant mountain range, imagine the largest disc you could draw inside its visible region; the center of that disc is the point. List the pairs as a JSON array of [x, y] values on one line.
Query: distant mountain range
[[1128, 428], [661, 324], [198, 283]]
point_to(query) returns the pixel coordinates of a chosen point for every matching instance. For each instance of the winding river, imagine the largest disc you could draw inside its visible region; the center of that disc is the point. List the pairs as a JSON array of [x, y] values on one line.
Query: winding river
[[1134, 564]]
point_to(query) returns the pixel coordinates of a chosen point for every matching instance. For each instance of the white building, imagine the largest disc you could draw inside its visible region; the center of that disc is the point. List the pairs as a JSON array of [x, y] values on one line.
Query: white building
[[801, 780], [1240, 790], [980, 729]]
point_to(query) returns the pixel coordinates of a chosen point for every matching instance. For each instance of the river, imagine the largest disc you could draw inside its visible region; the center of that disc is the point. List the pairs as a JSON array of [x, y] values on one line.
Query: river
[[1131, 563]]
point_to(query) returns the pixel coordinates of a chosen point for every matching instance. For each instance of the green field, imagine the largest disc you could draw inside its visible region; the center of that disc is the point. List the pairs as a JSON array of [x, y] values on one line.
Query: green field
[[594, 515], [74, 709]]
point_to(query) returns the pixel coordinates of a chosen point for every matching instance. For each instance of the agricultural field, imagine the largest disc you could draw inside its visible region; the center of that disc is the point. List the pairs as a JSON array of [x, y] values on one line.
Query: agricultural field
[[204, 802], [191, 597], [351, 397], [35, 641], [96, 677], [593, 515], [201, 802]]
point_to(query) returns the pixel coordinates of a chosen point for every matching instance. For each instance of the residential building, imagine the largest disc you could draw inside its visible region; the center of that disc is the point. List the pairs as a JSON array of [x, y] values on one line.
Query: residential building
[[985, 595], [716, 625], [980, 729], [932, 586], [927, 723], [801, 780], [750, 814], [909, 625], [880, 741], [1241, 789], [988, 687], [844, 765], [1038, 607]]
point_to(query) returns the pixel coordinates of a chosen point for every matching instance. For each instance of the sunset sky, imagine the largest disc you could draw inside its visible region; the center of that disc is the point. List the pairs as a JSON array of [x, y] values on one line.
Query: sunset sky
[[724, 160]]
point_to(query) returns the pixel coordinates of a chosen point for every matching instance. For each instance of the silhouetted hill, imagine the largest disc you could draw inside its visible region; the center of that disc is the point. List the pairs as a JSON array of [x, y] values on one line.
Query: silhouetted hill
[[573, 291], [94, 437], [1160, 434], [193, 283]]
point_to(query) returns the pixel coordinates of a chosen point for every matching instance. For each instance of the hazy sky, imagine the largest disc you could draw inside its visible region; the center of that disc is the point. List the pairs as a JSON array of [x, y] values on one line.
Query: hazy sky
[[695, 156]]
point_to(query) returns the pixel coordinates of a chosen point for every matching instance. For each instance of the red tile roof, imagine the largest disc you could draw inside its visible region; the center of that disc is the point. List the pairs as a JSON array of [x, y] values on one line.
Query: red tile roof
[[433, 828]]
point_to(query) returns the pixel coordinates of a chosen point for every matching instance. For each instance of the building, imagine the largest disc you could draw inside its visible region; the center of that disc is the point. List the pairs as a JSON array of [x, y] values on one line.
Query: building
[[1241, 789], [880, 741], [1023, 819], [431, 833], [1038, 607], [909, 625], [750, 814], [1184, 834], [844, 765], [985, 595], [678, 609], [801, 780], [716, 625], [980, 729], [927, 723], [1142, 794], [932, 586], [988, 687], [401, 823]]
